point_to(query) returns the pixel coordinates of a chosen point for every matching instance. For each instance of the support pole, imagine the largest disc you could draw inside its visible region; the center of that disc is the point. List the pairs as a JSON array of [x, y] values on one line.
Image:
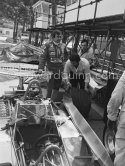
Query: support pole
[[21, 81], [101, 43], [54, 8], [36, 38], [105, 50], [64, 37], [77, 35], [95, 12], [31, 21]]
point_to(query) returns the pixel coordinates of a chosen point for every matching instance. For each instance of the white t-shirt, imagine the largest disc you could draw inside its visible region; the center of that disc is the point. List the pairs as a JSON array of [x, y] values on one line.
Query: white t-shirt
[[83, 68]]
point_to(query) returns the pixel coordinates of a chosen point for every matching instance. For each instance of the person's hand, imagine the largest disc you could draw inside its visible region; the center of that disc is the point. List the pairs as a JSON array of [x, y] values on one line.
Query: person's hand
[[112, 125], [86, 88], [68, 87], [69, 84]]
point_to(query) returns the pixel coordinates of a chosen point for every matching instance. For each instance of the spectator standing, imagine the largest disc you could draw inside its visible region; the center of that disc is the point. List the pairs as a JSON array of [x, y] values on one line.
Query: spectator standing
[[118, 99], [85, 52]]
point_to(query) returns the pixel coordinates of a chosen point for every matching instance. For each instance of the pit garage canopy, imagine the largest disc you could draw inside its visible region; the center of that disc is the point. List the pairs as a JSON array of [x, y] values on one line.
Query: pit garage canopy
[[105, 15]]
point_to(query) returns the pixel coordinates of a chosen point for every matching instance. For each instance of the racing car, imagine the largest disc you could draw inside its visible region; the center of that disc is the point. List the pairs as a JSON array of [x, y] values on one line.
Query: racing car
[[39, 132]]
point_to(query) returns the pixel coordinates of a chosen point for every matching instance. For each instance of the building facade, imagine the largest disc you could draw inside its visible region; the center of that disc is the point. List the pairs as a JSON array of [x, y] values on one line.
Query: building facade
[[6, 28], [43, 14]]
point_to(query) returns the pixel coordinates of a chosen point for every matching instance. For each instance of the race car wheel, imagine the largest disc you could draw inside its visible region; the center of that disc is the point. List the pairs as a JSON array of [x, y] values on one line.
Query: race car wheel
[[109, 142]]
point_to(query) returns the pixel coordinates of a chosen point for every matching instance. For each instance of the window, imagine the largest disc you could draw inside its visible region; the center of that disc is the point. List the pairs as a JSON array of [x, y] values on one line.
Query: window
[[34, 10], [39, 10], [25, 34], [45, 8], [7, 32], [74, 1], [35, 14], [68, 2], [0, 31]]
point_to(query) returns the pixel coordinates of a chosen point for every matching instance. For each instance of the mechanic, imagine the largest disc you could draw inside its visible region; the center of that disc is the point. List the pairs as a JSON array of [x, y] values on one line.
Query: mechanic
[[86, 53], [115, 117], [54, 56], [77, 72]]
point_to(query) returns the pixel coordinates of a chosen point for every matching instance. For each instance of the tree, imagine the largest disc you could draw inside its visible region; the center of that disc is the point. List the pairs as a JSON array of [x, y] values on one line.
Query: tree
[[17, 11], [20, 11]]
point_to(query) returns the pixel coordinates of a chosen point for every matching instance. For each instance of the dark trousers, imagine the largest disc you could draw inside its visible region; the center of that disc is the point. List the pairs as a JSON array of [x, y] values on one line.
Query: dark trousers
[[77, 80], [54, 83]]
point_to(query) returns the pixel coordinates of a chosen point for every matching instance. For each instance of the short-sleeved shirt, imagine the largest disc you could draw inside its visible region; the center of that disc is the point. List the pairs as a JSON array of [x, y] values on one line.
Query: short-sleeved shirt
[[83, 68], [117, 99]]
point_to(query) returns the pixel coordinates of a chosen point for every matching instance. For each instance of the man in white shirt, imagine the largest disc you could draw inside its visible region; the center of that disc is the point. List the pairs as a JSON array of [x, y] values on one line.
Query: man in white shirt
[[86, 53], [118, 99], [77, 72]]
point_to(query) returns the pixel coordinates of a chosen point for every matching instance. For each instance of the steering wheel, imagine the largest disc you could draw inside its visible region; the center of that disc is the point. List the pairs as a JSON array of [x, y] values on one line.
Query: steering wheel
[[49, 148], [52, 138], [30, 90], [52, 156]]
